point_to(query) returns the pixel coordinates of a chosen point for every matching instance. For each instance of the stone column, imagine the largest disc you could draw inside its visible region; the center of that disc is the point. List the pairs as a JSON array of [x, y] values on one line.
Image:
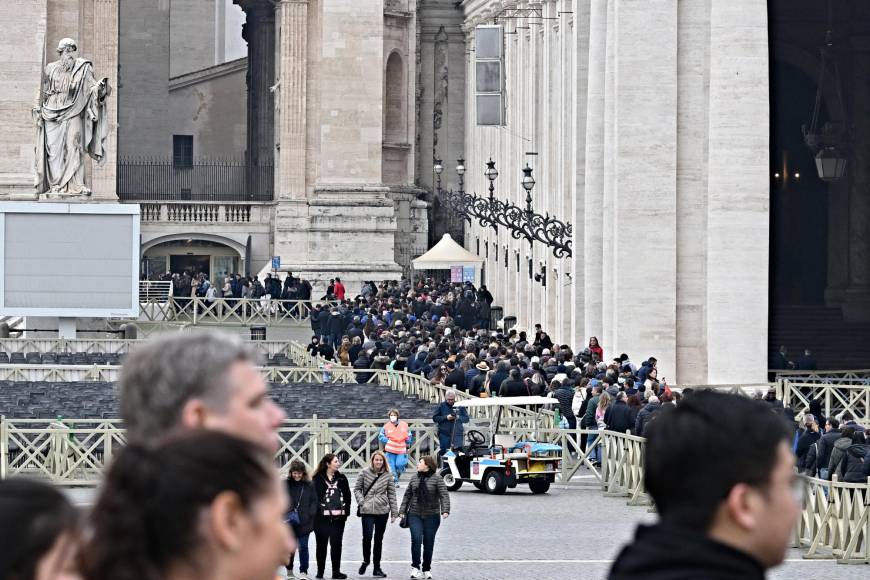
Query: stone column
[[738, 202], [593, 195], [292, 97], [857, 299], [105, 57], [259, 32]]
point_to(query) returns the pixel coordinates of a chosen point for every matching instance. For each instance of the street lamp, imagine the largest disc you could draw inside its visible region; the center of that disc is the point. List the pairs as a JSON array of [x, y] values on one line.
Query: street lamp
[[460, 171], [491, 173], [438, 170]]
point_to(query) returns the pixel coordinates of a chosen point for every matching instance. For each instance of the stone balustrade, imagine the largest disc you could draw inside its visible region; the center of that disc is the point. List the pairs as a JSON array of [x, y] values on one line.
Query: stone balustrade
[[203, 212]]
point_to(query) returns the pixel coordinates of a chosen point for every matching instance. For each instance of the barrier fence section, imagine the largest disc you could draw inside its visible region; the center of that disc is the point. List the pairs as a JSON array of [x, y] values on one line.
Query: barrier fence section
[[833, 523], [226, 311]]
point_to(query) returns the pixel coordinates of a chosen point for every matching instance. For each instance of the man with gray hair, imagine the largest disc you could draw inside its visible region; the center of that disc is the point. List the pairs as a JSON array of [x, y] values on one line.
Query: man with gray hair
[[197, 381], [450, 421]]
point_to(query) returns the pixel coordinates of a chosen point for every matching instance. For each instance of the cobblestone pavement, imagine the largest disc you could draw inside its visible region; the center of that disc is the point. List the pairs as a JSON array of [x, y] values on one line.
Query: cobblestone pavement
[[567, 533]]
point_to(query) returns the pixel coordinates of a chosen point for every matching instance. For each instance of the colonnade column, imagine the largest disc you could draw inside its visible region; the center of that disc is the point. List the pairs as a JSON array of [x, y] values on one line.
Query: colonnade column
[[292, 98], [856, 306], [259, 33]]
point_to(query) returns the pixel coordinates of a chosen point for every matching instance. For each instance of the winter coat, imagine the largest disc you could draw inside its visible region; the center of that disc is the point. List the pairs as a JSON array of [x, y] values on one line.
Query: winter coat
[[565, 398], [477, 383], [838, 457], [589, 414], [856, 465], [805, 441], [323, 322], [513, 388], [826, 445], [315, 322], [381, 496], [809, 465], [437, 498], [362, 362], [320, 487], [663, 552], [446, 427], [644, 417], [618, 417], [380, 362], [307, 507]]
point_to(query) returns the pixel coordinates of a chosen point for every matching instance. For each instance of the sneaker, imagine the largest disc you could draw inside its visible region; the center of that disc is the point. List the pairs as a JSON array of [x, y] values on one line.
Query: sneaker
[[290, 575], [416, 573], [427, 574], [303, 576], [398, 485]]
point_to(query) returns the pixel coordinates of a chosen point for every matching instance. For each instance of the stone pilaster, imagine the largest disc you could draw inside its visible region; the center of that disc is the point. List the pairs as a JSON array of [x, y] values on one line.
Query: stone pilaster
[[105, 57], [292, 98]]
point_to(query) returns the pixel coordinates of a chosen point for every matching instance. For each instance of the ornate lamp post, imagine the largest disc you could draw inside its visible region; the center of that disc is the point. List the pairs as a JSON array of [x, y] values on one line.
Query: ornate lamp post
[[460, 171], [528, 183], [491, 173], [438, 170]]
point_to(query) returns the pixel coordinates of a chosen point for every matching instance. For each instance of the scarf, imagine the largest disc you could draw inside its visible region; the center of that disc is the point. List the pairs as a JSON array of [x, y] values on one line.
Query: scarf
[[422, 488]]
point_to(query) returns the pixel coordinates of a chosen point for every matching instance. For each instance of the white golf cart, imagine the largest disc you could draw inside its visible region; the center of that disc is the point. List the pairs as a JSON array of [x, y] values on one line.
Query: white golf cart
[[496, 463]]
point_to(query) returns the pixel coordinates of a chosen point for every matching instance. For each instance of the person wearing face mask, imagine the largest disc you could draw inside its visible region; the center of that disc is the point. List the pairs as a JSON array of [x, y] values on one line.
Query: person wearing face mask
[[396, 436]]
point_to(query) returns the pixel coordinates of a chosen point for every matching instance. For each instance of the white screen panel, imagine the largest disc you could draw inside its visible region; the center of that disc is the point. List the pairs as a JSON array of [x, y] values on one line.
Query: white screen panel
[[70, 261]]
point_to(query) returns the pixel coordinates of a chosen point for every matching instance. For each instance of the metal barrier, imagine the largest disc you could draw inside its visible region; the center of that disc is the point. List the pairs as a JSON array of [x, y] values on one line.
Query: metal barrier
[[835, 521], [848, 377], [227, 311]]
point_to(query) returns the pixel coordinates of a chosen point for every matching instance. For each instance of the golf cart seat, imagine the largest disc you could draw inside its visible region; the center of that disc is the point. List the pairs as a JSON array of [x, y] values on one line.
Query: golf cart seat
[[505, 440]]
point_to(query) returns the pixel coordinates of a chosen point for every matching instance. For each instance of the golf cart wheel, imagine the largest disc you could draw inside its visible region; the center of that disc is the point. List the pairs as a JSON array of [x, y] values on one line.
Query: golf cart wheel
[[451, 482], [539, 485], [479, 485], [495, 482]]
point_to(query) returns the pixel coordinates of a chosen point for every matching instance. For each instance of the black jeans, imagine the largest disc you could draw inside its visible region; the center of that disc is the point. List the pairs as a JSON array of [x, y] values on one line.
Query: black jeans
[[328, 532], [373, 525]]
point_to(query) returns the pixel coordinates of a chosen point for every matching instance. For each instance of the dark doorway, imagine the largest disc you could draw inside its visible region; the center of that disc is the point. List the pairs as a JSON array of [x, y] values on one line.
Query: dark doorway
[[191, 264]]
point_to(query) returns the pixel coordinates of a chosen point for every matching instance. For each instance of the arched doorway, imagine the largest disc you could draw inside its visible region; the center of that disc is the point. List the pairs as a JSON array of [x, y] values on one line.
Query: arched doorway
[[214, 259]]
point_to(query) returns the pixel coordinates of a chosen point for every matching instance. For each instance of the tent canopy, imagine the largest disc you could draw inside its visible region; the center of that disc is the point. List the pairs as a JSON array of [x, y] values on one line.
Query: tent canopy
[[446, 254]]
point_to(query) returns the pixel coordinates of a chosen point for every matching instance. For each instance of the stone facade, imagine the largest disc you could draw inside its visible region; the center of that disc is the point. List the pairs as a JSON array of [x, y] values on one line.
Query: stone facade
[[639, 112]]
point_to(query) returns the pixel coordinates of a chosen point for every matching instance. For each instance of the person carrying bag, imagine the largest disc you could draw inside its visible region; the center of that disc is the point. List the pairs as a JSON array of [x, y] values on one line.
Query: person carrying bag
[[375, 496]]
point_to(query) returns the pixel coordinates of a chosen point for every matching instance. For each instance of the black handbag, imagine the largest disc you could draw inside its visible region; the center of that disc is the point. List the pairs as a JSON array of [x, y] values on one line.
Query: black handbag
[[403, 519], [366, 492]]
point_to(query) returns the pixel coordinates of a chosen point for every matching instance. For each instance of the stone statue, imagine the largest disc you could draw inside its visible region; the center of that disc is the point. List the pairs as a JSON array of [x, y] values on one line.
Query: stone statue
[[72, 119]]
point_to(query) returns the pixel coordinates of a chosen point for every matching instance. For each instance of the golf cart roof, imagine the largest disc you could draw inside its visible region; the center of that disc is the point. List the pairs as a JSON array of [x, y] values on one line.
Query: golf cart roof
[[505, 402]]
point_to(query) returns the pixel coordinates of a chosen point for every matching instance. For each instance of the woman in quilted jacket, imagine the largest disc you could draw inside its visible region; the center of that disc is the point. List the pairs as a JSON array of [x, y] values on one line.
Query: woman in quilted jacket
[[425, 502], [375, 497]]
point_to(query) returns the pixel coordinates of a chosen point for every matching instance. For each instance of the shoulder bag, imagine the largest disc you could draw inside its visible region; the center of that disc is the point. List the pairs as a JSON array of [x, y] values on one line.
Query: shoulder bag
[[293, 515], [366, 492]]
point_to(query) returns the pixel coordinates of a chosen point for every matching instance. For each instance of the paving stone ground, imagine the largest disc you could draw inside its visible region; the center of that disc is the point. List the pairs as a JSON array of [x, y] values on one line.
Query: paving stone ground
[[567, 533]]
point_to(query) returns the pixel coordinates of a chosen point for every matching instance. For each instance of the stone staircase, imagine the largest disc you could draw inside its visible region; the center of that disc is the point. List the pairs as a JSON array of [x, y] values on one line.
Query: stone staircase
[[835, 344]]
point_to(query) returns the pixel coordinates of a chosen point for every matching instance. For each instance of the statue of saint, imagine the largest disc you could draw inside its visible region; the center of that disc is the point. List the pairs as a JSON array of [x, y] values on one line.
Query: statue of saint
[[72, 119]]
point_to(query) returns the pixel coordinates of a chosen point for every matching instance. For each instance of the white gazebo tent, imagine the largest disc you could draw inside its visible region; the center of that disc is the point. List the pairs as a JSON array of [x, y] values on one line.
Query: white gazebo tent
[[447, 254]]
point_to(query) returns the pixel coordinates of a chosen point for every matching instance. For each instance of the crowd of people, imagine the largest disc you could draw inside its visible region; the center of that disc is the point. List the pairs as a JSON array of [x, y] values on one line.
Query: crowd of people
[[195, 492]]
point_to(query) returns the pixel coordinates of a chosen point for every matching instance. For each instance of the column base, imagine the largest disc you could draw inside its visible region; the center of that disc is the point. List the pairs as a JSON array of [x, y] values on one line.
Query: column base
[[856, 305]]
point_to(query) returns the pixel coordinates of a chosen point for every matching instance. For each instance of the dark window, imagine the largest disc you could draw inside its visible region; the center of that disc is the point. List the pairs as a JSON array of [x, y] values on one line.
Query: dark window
[[182, 150]]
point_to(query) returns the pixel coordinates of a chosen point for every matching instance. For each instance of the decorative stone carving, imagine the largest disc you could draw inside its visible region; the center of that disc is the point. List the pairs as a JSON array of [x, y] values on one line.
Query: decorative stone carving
[[72, 119], [441, 85]]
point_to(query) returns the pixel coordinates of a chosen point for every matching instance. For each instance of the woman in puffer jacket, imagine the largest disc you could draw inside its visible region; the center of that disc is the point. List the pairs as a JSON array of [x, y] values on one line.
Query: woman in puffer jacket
[[375, 495], [425, 502], [303, 500]]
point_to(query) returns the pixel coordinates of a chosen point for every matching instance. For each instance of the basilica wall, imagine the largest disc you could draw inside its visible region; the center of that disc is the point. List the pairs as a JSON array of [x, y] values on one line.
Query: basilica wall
[[639, 114]]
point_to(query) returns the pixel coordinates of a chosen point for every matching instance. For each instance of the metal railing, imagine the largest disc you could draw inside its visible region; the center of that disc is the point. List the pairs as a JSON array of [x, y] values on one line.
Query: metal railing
[[159, 179], [849, 377], [226, 311]]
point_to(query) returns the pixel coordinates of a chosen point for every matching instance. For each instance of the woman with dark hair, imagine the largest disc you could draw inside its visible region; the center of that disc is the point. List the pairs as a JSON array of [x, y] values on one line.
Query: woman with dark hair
[[333, 507], [203, 504], [595, 348], [635, 406], [303, 501], [39, 531], [425, 501]]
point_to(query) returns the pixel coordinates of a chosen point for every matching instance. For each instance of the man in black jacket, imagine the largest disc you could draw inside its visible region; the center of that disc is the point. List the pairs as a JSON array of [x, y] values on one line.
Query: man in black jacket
[[514, 386], [618, 416], [455, 378], [826, 445], [720, 470]]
